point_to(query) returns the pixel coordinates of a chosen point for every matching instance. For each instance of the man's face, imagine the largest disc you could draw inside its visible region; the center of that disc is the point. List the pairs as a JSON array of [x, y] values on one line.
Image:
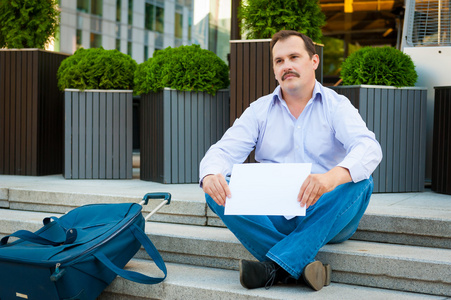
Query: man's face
[[293, 67]]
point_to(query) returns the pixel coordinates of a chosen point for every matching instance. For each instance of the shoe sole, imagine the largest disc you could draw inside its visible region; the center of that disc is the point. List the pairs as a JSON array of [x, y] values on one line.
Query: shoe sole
[[317, 275]]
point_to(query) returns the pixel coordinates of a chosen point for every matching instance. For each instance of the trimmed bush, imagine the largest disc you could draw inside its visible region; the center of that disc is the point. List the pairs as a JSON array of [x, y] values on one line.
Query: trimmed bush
[[262, 18], [97, 68], [27, 23], [185, 68], [379, 66]]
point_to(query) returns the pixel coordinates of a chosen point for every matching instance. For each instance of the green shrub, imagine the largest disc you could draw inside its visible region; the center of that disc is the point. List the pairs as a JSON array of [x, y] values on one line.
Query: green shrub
[[185, 68], [27, 23], [97, 68], [379, 66], [262, 18]]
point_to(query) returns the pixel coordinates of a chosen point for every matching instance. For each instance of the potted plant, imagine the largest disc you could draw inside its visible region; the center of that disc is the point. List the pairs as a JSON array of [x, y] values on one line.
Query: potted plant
[[251, 73], [31, 134], [184, 110], [98, 104], [379, 81]]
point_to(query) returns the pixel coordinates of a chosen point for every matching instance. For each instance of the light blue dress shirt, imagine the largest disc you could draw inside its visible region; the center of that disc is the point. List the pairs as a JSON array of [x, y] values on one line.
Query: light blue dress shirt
[[329, 132]]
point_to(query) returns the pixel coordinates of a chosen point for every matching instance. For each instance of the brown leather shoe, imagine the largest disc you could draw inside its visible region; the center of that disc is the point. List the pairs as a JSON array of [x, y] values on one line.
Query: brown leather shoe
[[317, 275]]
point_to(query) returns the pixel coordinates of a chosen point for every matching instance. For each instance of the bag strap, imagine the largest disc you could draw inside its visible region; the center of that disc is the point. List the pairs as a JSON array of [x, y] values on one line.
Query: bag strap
[[71, 236], [132, 275]]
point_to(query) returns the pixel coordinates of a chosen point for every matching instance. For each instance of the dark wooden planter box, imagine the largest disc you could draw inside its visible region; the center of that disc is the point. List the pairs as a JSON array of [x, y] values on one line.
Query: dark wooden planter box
[[31, 113], [252, 74], [98, 133], [441, 155], [177, 128], [397, 116]]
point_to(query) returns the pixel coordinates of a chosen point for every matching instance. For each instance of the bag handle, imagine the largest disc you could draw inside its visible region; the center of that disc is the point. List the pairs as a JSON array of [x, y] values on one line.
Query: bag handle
[[132, 275], [71, 236]]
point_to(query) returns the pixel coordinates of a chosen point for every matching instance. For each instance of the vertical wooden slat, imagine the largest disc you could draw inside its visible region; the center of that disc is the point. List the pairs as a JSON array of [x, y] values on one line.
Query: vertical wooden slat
[[116, 132], [129, 137], [388, 155], [12, 104], [75, 136], [187, 130], [201, 127], [170, 146], [68, 135], [109, 136], [103, 135], [122, 161], [383, 139], [89, 135], [95, 134], [22, 120], [29, 113], [194, 167], [2, 112], [239, 81], [233, 81], [82, 136]]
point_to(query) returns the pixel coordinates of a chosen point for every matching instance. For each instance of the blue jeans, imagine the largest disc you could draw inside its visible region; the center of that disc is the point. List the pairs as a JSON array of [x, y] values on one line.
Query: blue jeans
[[293, 244]]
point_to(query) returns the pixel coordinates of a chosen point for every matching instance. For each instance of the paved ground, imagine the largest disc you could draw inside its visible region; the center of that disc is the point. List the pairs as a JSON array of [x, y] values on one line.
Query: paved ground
[[426, 204]]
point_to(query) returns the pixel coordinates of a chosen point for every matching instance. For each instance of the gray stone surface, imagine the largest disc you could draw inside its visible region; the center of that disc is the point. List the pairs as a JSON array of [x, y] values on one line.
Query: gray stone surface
[[416, 269], [191, 282], [411, 218]]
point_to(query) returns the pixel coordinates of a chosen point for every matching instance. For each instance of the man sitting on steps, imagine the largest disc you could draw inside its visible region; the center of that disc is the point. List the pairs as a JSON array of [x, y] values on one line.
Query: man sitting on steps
[[300, 122]]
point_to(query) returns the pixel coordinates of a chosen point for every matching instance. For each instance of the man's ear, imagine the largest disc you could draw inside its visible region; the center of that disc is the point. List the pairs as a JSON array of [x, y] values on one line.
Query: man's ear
[[315, 60]]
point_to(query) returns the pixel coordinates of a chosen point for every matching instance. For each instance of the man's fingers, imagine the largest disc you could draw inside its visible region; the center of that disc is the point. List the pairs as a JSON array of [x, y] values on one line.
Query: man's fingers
[[216, 186]]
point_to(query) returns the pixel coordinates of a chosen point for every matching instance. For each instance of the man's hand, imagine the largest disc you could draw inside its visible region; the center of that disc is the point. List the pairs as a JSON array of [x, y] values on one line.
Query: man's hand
[[216, 186], [318, 184]]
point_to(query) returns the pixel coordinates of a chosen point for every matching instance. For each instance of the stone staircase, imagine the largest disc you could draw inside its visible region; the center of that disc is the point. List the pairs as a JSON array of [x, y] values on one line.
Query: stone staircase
[[402, 249]]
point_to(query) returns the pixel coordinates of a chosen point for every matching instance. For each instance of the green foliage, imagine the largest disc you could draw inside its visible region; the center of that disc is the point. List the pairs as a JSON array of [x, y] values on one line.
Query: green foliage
[[185, 68], [97, 68], [333, 54], [379, 66], [262, 18], [27, 23]]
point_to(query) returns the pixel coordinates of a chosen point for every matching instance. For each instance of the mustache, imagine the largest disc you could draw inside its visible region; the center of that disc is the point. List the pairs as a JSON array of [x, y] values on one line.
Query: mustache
[[290, 72]]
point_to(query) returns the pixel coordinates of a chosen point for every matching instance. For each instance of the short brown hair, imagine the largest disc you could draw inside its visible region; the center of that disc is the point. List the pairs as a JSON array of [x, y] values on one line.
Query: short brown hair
[[284, 34]]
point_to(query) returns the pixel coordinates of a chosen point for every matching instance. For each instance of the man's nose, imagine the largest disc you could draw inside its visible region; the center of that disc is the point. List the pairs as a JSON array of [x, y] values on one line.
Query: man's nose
[[287, 66]]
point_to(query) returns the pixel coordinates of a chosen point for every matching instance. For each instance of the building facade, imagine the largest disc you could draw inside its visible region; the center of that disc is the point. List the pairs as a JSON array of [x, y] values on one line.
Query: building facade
[[139, 27]]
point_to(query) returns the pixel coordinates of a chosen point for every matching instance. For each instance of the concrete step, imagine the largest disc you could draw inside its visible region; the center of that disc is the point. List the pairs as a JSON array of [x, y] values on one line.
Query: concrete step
[[390, 218], [193, 282], [397, 267]]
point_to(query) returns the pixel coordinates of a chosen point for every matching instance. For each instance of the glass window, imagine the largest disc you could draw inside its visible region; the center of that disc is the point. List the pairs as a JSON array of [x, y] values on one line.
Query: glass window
[[97, 7], [178, 25], [79, 38], [149, 16], [118, 44], [130, 12], [159, 25], [83, 6], [146, 53], [118, 10], [96, 40], [129, 48]]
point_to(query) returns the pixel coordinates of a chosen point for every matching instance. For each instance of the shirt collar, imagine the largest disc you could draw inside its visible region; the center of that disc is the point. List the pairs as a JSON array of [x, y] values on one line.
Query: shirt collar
[[317, 94]]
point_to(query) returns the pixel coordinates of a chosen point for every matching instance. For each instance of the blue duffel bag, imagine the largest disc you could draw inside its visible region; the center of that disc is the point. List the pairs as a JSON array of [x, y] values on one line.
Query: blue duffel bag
[[79, 254]]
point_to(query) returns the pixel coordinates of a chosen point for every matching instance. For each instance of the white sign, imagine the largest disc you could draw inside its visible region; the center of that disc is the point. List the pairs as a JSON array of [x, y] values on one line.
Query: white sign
[[267, 189]]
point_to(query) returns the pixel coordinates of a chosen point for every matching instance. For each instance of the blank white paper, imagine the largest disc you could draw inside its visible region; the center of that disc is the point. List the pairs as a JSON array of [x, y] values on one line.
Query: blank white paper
[[266, 189]]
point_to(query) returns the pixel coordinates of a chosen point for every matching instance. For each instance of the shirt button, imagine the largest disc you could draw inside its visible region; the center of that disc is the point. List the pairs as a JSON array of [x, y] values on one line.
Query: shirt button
[[297, 147]]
